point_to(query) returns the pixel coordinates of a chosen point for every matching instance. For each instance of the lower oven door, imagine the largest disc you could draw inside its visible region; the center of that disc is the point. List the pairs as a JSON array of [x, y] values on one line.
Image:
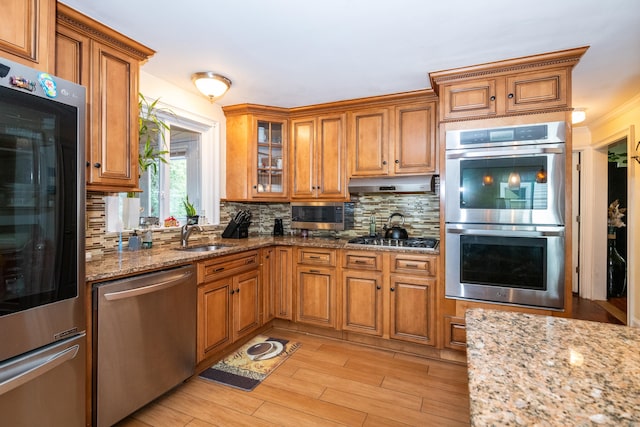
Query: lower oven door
[[519, 265]]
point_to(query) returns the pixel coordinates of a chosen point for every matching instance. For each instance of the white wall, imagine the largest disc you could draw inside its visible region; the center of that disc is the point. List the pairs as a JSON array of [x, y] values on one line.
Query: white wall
[[210, 117]]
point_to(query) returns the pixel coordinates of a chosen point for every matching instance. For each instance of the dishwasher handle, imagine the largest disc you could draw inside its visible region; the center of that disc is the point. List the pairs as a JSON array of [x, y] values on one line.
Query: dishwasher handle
[[130, 293]]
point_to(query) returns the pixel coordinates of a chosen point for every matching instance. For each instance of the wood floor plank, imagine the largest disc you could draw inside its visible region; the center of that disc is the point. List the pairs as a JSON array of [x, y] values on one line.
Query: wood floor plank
[[427, 385], [222, 395], [287, 417], [391, 397], [132, 422], [338, 359], [446, 411], [387, 410], [388, 368], [294, 385], [377, 421], [158, 415], [316, 407], [199, 423], [366, 377]]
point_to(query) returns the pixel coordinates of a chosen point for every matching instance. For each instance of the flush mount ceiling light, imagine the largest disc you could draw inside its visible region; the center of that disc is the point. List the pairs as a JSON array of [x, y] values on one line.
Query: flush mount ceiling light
[[578, 115], [210, 84]]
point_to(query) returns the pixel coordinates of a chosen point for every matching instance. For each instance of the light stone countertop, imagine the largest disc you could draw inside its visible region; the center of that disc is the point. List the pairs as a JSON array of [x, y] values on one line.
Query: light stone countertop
[[532, 370], [125, 263]]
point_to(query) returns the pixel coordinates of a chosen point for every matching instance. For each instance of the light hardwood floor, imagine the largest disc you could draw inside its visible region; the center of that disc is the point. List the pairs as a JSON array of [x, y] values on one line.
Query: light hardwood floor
[[324, 383]]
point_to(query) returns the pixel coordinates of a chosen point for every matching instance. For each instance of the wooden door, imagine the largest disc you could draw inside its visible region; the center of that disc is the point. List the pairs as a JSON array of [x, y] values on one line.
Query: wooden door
[[246, 303], [214, 316], [27, 29], [412, 309], [302, 169], [331, 158], [268, 265], [283, 282], [369, 142], [362, 302], [538, 90], [316, 296], [476, 98], [415, 139]]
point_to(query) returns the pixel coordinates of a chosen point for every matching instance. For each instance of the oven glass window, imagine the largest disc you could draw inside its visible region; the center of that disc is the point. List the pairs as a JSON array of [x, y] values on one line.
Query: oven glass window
[[38, 201], [515, 262], [504, 183]]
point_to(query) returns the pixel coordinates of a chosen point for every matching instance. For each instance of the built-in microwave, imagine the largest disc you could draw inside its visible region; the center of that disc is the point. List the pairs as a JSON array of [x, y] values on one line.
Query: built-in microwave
[[322, 215]]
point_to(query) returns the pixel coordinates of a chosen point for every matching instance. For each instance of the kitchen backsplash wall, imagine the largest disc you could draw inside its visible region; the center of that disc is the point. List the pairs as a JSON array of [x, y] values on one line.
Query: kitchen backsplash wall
[[421, 214]]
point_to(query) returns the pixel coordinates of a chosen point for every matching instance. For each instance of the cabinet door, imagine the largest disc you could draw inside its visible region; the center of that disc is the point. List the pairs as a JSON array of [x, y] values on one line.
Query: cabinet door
[[330, 182], [303, 132], [268, 288], [316, 296], [537, 90], [283, 283], [476, 98], [362, 302], [246, 303], [369, 142], [114, 133], [26, 32], [214, 316], [269, 167], [415, 139], [412, 309]]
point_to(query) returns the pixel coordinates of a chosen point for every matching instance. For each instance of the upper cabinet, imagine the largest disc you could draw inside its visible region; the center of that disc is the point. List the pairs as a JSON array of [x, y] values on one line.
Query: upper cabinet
[[257, 150], [107, 64], [395, 140], [516, 86], [26, 32], [318, 157]]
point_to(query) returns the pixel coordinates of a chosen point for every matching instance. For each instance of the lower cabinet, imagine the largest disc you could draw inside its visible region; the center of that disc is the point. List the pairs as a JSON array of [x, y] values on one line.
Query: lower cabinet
[[282, 282], [229, 301], [363, 293], [316, 287]]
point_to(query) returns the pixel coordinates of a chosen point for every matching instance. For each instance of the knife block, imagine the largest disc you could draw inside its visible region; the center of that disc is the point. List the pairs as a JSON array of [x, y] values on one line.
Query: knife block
[[236, 231]]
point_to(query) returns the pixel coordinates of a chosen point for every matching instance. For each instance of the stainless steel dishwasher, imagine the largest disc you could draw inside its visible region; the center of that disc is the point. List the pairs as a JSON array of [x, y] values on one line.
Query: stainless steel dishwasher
[[144, 330]]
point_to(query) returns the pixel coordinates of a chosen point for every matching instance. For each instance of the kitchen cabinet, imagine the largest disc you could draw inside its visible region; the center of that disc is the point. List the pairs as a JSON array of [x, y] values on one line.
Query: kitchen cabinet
[[282, 284], [316, 287], [397, 140], [229, 301], [363, 291], [107, 64], [455, 334], [318, 157], [268, 268], [413, 282], [257, 153], [517, 86], [27, 30]]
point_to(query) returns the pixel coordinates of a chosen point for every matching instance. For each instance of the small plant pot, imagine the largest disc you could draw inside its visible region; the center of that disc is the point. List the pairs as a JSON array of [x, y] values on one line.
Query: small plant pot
[[193, 220]]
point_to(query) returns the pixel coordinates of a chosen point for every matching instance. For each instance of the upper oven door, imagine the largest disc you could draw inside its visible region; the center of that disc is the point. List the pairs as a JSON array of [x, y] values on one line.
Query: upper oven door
[[508, 136], [508, 185]]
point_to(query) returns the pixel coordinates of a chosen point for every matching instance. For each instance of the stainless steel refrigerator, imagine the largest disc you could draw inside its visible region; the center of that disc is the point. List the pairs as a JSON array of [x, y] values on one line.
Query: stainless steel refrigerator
[[42, 301]]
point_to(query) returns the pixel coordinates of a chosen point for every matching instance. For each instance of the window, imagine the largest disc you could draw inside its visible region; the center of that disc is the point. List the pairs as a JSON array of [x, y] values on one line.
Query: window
[[190, 167]]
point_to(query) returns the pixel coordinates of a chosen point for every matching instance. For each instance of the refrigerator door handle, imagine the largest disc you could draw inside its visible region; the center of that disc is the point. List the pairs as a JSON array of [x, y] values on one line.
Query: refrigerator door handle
[[42, 366]]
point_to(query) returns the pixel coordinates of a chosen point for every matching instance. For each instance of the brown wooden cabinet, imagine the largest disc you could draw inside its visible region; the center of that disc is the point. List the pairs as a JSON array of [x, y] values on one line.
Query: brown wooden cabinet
[[516, 86], [107, 64], [318, 157], [369, 133], [363, 291], [316, 287], [268, 268], [257, 153], [412, 288], [282, 284], [229, 301], [27, 28]]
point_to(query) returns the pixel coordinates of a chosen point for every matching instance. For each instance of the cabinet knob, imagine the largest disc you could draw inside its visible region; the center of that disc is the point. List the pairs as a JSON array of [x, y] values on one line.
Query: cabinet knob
[[255, 186], [510, 96], [97, 165], [397, 161], [384, 162], [392, 289], [232, 292], [493, 98], [378, 287], [238, 291], [88, 164]]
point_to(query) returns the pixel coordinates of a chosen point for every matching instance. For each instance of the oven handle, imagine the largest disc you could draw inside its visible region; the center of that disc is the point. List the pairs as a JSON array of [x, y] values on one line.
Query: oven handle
[[470, 154], [507, 232]]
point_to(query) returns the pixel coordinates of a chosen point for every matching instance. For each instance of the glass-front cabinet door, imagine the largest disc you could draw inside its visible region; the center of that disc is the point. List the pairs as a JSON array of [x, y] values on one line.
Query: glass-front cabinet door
[[270, 177]]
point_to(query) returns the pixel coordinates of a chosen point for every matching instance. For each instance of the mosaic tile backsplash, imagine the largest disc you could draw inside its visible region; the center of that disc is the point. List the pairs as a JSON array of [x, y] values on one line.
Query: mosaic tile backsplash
[[421, 215]]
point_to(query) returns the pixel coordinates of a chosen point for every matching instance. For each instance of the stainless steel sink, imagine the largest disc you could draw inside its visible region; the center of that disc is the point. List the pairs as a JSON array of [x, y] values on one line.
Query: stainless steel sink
[[205, 248]]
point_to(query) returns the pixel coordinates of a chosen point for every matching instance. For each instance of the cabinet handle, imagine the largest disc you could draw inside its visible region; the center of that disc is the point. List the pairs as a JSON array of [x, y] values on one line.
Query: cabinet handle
[[359, 261], [267, 257], [510, 96], [493, 98], [232, 292], [314, 271], [411, 265], [96, 165], [250, 261], [397, 161], [384, 162], [392, 289], [314, 257], [238, 291], [219, 269], [378, 287], [255, 186], [88, 163]]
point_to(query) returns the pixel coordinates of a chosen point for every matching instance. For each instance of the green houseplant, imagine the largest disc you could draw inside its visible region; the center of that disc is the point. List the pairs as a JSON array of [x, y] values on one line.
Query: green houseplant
[[149, 126], [192, 216]]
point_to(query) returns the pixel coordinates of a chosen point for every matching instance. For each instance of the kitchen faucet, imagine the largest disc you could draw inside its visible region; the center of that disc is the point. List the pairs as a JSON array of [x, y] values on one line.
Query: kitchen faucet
[[185, 233]]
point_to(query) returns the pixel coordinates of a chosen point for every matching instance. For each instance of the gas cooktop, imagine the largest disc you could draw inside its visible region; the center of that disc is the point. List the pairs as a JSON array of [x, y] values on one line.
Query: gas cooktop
[[410, 243]]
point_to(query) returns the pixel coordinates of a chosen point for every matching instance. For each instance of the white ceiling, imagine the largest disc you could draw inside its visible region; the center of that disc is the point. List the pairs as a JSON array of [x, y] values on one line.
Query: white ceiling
[[290, 53]]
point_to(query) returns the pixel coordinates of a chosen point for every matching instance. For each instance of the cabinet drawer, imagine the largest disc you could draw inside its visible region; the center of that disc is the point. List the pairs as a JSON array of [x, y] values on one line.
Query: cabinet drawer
[[455, 333], [363, 260], [315, 256], [416, 264], [218, 267]]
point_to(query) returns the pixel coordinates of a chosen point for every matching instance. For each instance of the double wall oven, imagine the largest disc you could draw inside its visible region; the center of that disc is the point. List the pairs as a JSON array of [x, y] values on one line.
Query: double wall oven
[[504, 214]]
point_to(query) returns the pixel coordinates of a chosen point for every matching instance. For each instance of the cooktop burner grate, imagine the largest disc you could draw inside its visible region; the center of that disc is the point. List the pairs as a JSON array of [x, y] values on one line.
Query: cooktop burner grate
[[412, 242]]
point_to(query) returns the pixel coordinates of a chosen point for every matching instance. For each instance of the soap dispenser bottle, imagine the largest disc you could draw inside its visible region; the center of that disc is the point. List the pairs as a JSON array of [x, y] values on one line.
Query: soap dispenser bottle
[[134, 241]]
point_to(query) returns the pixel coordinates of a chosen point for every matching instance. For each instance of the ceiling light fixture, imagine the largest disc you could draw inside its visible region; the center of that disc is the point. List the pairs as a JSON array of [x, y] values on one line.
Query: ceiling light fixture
[[578, 115], [210, 84]]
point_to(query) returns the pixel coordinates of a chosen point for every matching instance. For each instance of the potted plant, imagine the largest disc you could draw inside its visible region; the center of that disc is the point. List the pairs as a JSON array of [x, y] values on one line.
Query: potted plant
[[192, 217], [149, 125]]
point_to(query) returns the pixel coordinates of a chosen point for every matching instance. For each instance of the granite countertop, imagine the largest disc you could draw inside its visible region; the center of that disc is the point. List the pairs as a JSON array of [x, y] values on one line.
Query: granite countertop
[[125, 263], [532, 370]]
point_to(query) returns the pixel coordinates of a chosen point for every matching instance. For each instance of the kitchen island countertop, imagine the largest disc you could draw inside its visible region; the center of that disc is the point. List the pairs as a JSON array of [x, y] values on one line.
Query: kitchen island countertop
[[527, 369]]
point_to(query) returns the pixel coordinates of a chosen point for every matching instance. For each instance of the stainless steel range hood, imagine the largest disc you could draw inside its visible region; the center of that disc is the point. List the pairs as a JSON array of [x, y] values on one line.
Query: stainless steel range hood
[[393, 184]]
